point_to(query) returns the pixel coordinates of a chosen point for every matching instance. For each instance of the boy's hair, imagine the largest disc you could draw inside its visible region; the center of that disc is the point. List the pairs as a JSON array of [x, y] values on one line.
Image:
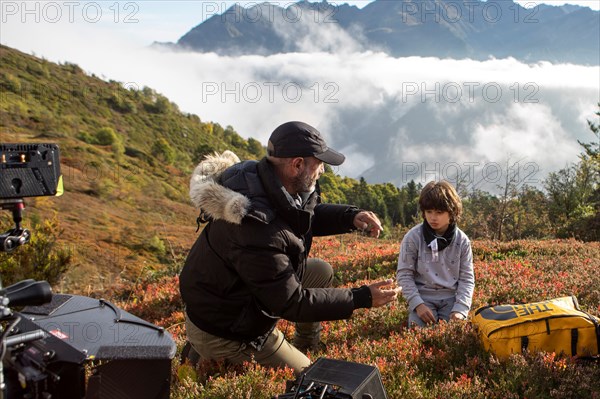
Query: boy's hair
[[441, 196]]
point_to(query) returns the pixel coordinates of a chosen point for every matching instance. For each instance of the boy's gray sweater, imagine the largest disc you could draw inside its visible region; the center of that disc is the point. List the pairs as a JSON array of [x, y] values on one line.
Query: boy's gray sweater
[[450, 275]]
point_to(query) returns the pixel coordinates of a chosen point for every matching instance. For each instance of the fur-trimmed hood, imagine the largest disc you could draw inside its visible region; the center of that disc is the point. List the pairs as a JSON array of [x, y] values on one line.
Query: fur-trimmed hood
[[213, 199], [226, 189]]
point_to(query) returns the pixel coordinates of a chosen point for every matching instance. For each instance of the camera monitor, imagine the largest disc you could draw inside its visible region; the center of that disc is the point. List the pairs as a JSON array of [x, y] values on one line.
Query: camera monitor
[[29, 170]]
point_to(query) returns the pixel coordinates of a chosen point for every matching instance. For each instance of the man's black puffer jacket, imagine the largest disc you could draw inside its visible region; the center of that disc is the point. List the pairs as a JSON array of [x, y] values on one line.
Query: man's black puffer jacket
[[244, 271]]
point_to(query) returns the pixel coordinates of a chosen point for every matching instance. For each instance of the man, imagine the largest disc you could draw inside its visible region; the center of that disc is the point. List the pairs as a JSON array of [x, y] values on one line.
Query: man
[[250, 265]]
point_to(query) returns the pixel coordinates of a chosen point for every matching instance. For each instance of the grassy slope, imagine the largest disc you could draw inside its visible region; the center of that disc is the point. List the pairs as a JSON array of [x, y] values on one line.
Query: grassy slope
[[118, 210]]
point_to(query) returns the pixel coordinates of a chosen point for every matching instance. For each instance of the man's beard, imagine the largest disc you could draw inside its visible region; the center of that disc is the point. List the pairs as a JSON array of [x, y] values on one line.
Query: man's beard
[[304, 183]]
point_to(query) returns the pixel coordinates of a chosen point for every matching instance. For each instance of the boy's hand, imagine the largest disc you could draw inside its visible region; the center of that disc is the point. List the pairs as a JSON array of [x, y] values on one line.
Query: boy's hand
[[456, 316], [425, 314]]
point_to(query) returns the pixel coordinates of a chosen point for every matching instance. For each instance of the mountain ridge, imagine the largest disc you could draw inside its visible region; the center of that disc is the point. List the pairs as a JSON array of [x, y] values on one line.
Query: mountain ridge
[[439, 28]]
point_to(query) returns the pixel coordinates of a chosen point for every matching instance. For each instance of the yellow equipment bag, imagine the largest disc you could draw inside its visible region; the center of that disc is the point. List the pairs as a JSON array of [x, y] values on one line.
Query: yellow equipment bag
[[556, 325]]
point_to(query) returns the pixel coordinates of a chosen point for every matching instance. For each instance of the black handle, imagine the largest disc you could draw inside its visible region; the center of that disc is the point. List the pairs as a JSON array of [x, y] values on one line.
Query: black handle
[[28, 292]]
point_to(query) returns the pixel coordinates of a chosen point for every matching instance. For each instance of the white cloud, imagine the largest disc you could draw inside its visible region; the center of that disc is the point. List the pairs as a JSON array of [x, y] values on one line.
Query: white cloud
[[301, 33], [528, 131]]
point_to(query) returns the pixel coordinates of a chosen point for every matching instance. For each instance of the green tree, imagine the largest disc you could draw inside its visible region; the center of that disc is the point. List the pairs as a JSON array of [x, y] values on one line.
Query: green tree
[[393, 203], [120, 103], [163, 151], [561, 188], [201, 151], [361, 196], [529, 216], [479, 210], [330, 185], [574, 193], [507, 203], [233, 138], [40, 259], [162, 105], [106, 136], [592, 150], [591, 159], [411, 191], [10, 82], [255, 148]]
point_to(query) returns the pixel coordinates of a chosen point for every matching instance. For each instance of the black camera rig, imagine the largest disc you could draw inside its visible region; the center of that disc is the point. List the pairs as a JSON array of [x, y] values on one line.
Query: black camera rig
[[336, 379], [27, 170], [67, 346]]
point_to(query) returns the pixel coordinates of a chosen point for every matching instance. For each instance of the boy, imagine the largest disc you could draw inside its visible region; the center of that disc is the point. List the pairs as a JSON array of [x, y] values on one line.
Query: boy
[[435, 266]]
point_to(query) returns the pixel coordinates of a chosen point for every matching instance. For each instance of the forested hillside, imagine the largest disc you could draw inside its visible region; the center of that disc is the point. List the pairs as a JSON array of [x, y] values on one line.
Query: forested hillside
[[126, 158]]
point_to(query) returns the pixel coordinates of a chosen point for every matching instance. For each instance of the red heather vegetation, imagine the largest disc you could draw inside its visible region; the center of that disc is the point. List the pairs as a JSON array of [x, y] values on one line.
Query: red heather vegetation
[[446, 361]]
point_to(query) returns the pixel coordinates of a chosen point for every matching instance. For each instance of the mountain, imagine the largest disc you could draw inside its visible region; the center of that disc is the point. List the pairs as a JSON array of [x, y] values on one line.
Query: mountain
[[439, 28]]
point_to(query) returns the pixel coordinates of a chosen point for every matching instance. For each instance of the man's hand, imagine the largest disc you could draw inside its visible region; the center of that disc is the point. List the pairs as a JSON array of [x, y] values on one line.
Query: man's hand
[[367, 221], [381, 295], [425, 314]]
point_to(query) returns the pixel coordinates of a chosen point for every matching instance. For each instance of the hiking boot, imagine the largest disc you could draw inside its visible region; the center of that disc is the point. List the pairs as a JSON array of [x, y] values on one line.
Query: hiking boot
[[312, 347], [188, 353], [308, 337]]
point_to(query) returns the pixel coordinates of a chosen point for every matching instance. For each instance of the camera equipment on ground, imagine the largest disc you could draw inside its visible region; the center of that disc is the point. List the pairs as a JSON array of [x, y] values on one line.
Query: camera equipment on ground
[[336, 379], [67, 346]]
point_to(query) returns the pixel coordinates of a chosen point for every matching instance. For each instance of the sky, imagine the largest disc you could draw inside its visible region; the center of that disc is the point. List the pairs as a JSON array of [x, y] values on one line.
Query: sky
[[146, 21], [396, 119]]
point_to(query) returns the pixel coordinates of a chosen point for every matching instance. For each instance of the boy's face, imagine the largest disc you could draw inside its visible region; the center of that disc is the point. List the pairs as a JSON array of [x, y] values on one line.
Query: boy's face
[[438, 220]]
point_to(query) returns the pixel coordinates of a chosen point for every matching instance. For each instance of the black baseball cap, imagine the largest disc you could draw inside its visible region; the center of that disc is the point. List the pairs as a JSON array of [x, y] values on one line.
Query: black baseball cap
[[299, 139]]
